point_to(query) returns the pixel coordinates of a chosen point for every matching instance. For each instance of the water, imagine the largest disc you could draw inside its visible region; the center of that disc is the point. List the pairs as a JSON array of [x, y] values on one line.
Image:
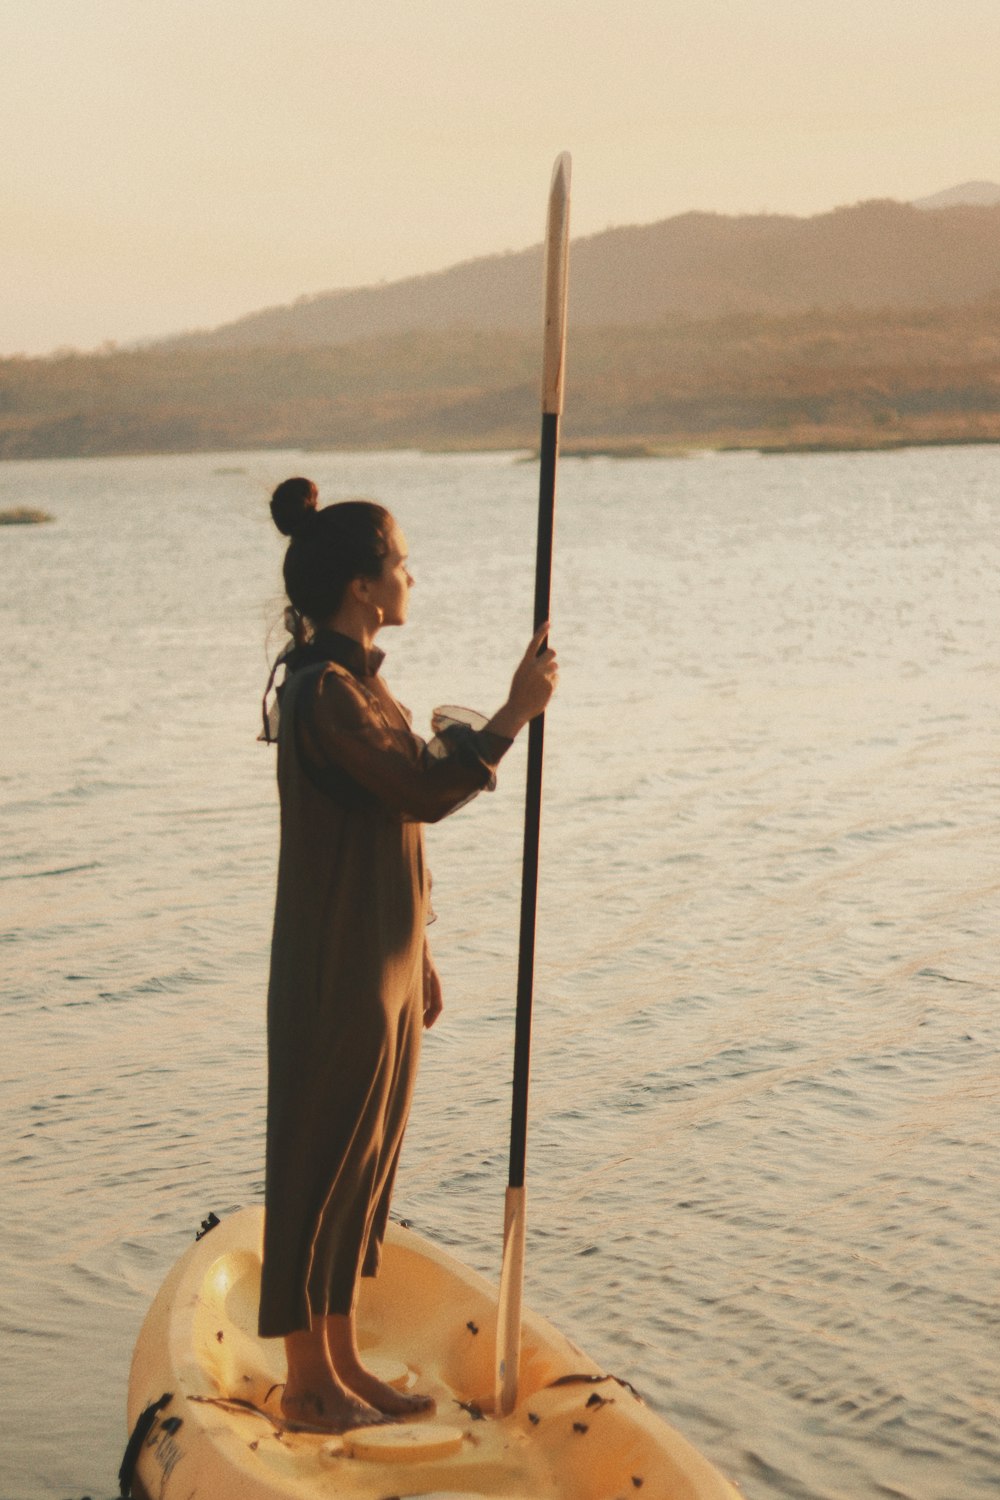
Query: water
[[763, 1147]]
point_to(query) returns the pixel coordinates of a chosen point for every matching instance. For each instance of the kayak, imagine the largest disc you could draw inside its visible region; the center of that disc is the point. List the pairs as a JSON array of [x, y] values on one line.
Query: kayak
[[204, 1396]]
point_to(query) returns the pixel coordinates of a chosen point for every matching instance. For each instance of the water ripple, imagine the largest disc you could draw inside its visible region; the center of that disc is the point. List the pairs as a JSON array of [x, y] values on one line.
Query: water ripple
[[764, 1094]]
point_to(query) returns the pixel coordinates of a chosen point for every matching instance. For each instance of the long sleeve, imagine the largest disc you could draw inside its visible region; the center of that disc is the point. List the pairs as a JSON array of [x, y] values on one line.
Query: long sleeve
[[360, 731]]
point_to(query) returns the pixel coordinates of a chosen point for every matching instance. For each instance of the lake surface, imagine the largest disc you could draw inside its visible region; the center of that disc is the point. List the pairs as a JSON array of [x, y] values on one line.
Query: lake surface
[[763, 1153]]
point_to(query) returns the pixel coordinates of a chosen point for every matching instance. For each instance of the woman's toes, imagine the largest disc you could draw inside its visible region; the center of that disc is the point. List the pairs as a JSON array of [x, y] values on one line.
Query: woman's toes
[[330, 1413], [385, 1398]]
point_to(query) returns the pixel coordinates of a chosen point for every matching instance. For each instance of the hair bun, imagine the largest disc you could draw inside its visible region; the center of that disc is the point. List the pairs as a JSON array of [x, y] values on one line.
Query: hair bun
[[293, 503]]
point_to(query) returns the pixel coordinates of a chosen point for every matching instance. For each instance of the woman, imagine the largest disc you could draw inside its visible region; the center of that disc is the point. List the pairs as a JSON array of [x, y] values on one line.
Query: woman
[[352, 980]]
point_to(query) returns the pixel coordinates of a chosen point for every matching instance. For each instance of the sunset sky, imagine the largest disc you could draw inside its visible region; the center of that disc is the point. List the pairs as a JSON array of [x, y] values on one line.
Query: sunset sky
[[170, 164]]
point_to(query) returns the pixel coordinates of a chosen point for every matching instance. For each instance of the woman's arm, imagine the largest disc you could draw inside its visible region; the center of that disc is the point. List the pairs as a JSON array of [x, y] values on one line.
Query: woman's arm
[[342, 727], [345, 730]]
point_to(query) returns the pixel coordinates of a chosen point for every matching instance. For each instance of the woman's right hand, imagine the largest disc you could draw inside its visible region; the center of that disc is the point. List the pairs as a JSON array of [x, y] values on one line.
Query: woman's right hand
[[531, 687]]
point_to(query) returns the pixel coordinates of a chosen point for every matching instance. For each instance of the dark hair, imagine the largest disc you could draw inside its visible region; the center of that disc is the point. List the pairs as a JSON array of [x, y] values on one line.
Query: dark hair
[[328, 547], [291, 503]]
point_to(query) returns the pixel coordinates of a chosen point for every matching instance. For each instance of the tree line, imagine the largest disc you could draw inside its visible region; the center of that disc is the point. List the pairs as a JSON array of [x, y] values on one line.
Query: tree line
[[808, 379]]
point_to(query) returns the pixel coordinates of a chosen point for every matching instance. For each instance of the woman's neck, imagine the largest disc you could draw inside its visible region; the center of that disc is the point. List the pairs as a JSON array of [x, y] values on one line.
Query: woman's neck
[[354, 620]]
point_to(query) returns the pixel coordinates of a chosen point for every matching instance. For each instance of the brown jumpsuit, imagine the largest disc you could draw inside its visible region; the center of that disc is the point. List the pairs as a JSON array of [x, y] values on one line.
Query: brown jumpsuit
[[345, 997]]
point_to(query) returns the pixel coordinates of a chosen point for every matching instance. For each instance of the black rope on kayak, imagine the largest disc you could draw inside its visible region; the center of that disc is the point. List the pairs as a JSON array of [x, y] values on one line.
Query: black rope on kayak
[[207, 1224], [594, 1380], [139, 1434]]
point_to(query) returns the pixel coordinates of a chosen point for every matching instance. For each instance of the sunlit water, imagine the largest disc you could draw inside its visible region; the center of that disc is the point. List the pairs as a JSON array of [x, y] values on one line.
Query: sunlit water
[[763, 1149]]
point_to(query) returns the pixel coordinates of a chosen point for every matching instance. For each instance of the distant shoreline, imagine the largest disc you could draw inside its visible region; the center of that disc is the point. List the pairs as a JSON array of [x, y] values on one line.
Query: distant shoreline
[[619, 452], [859, 444]]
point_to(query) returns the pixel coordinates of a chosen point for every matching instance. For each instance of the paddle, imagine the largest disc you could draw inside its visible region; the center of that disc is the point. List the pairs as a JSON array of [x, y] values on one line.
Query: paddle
[[508, 1353]]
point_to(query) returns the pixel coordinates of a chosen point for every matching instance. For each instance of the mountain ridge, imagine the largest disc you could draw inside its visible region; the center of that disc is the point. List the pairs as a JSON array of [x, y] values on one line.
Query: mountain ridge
[[876, 255], [979, 194]]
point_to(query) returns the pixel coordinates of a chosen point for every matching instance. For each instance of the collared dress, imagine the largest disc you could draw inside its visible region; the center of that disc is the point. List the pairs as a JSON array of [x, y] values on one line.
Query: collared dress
[[345, 994]]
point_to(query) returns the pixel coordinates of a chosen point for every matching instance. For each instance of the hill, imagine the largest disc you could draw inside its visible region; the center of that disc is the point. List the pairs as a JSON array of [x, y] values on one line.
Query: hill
[[870, 326], [982, 194], [877, 255]]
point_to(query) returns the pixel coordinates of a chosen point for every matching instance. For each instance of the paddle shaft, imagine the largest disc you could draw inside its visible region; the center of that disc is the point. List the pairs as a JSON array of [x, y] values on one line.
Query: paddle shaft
[[512, 1270], [532, 817], [553, 363]]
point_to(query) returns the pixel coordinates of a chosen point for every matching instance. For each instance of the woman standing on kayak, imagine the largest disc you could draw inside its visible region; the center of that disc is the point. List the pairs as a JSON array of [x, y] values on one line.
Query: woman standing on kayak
[[352, 981]]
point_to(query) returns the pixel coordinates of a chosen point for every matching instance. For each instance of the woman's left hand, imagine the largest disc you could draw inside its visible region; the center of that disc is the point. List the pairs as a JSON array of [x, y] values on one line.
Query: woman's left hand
[[433, 1001]]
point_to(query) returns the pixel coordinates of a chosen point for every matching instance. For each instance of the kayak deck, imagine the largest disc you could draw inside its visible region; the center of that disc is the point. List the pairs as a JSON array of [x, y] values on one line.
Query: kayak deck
[[427, 1322]]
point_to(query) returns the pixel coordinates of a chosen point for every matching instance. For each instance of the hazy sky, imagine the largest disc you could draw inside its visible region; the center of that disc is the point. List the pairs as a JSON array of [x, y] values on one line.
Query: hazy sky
[[171, 164]]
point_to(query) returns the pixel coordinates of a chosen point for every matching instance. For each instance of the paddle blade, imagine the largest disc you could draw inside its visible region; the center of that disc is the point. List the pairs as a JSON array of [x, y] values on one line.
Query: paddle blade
[[508, 1352], [556, 282]]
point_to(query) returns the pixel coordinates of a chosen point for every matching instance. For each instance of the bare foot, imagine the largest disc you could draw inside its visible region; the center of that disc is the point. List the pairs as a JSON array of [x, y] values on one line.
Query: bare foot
[[332, 1412], [385, 1398]]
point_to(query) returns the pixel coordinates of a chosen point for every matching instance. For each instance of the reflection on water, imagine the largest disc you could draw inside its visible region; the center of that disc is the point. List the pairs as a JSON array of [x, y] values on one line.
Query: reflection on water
[[762, 1158]]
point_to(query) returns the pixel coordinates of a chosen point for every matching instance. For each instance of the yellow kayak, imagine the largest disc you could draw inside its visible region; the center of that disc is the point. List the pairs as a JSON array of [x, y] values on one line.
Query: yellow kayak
[[204, 1396]]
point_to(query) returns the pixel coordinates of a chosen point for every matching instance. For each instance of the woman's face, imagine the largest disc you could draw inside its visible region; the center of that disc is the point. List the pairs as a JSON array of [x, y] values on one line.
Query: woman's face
[[391, 592]]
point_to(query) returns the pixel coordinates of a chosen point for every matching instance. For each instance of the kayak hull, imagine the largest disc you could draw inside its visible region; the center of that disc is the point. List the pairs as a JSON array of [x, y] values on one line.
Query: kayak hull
[[575, 1434]]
